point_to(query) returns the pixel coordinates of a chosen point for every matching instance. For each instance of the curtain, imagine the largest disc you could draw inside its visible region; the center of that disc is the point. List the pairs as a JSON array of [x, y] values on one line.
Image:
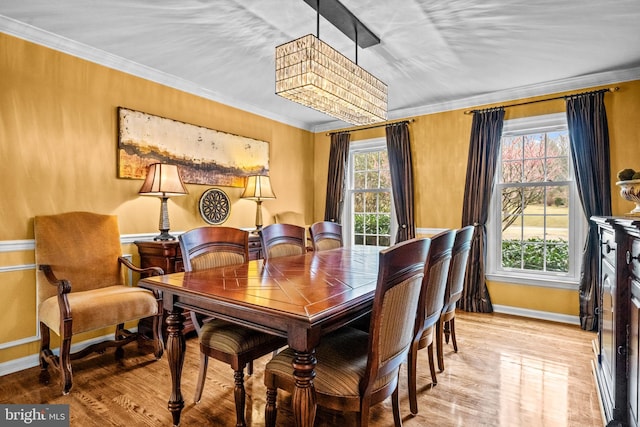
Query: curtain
[[399, 152], [484, 148], [589, 138], [338, 158]]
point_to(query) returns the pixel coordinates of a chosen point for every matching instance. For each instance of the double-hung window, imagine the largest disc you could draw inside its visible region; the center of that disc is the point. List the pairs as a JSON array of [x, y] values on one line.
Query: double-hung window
[[536, 226], [368, 214]]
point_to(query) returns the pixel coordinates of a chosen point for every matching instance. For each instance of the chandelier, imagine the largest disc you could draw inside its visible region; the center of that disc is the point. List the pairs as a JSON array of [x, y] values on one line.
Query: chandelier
[[312, 73]]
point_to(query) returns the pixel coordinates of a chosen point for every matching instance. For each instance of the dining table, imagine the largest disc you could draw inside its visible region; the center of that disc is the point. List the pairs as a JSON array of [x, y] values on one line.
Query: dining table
[[301, 297]]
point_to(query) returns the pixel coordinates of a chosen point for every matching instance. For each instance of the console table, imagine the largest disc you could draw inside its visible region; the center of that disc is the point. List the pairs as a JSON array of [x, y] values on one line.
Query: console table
[[166, 255]]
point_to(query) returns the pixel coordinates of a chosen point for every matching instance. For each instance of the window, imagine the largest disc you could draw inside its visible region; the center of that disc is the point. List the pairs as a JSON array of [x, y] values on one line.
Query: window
[[536, 226], [368, 215]]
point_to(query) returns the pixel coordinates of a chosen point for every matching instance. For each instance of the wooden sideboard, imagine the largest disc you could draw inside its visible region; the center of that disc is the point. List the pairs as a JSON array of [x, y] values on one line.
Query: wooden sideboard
[[618, 348], [167, 255]]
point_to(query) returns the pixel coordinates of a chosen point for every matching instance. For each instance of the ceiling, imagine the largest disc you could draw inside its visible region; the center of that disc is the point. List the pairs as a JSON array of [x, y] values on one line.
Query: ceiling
[[433, 55]]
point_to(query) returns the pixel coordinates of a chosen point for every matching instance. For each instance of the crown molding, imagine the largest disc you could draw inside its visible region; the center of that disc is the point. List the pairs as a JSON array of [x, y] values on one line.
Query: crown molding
[[98, 56]]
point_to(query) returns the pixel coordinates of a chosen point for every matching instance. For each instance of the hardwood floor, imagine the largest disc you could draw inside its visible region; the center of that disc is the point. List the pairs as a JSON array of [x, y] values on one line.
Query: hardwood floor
[[509, 371]]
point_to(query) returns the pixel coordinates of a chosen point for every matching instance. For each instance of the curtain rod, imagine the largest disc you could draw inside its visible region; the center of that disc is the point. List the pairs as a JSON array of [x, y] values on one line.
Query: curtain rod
[[611, 89], [372, 127]]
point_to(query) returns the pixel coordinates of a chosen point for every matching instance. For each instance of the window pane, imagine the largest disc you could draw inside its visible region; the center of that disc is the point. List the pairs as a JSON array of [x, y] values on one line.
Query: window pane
[[385, 241], [358, 223], [371, 202], [359, 162], [558, 169], [372, 180], [512, 171], [372, 161], [358, 202], [533, 170], [385, 179], [384, 160], [359, 180], [384, 224], [358, 239], [384, 202], [372, 241]]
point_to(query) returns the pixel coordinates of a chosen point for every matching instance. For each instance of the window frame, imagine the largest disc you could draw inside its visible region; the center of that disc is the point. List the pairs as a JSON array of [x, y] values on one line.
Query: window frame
[[358, 147], [577, 221]]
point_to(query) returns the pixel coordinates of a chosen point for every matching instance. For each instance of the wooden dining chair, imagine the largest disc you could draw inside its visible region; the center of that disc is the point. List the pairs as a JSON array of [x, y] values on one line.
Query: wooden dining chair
[[325, 235], [453, 292], [211, 247], [356, 369], [282, 240], [82, 287], [435, 277]]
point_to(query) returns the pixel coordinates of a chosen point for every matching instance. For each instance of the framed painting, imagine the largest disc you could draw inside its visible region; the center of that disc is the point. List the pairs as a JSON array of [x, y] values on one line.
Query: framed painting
[[204, 156]]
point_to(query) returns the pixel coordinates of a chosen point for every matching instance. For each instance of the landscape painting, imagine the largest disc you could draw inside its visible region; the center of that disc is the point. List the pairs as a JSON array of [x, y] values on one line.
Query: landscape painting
[[204, 156]]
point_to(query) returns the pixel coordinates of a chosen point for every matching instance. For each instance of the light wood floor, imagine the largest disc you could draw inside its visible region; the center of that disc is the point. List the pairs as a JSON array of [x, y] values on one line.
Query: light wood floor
[[509, 371]]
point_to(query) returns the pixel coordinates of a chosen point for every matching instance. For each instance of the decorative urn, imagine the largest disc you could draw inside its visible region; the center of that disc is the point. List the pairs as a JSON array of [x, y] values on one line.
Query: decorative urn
[[630, 190]]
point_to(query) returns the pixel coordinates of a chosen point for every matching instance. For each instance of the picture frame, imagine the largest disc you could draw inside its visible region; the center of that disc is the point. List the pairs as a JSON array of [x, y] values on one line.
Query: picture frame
[[203, 155]]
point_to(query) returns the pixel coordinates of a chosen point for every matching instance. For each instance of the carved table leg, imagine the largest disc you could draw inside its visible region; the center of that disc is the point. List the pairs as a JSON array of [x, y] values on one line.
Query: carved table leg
[[176, 347], [304, 395]]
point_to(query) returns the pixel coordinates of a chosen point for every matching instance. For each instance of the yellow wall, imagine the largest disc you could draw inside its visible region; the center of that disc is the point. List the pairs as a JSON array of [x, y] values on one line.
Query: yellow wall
[[439, 147], [58, 137], [58, 142]]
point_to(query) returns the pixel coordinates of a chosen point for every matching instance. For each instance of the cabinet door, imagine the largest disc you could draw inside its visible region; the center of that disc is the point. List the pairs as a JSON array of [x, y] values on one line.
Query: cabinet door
[[607, 332], [634, 328]]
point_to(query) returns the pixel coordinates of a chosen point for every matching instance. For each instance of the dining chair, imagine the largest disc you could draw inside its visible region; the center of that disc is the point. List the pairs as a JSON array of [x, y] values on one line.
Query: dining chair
[[326, 235], [356, 369], [211, 247], [455, 284], [282, 240], [435, 277], [81, 287]]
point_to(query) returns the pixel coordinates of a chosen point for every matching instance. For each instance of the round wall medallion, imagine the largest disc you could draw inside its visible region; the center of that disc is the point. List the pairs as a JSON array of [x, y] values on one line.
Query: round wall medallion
[[214, 206]]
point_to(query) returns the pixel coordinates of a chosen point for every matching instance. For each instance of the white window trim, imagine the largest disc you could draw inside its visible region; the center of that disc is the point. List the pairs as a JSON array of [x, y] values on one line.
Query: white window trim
[[375, 144], [570, 280]]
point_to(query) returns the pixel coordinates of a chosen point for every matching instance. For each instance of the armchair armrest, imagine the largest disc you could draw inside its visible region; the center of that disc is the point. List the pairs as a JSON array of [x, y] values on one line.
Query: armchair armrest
[[151, 271], [64, 286]]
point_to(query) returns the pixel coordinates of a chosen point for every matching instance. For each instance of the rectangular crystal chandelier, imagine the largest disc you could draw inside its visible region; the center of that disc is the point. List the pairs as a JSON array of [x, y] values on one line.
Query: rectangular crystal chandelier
[[312, 73]]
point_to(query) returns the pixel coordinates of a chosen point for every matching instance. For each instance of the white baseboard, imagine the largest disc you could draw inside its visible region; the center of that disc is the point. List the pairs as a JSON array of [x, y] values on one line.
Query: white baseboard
[[535, 314]]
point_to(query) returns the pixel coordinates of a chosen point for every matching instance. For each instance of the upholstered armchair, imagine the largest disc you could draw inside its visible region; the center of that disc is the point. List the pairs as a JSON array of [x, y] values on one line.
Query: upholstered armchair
[[81, 287]]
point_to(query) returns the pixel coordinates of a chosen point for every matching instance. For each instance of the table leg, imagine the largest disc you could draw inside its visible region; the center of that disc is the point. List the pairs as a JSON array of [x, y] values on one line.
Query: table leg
[[304, 395], [176, 347]]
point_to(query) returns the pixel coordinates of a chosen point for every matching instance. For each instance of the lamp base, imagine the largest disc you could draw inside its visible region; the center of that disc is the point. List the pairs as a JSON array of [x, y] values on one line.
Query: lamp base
[[164, 236]]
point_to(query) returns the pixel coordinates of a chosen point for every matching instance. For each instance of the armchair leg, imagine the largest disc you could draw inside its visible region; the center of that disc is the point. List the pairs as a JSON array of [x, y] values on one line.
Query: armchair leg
[[270, 410], [65, 365], [453, 334], [239, 397], [397, 419], [412, 365], [202, 376], [119, 336], [45, 353], [439, 344], [432, 365], [157, 336]]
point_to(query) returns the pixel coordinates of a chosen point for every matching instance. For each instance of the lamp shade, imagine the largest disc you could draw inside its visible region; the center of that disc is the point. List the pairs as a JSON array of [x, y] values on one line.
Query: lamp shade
[[163, 180], [258, 187]]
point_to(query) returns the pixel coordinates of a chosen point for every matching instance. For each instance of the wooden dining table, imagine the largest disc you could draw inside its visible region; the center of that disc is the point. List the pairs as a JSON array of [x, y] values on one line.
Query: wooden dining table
[[298, 297]]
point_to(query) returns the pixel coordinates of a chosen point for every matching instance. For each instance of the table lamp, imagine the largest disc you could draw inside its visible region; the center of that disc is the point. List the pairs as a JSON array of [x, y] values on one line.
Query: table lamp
[[258, 188], [163, 181]]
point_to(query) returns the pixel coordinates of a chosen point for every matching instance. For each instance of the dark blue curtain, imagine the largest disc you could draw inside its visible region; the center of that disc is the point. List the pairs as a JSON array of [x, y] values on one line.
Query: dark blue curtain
[[401, 170], [589, 137], [338, 158], [484, 148]]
